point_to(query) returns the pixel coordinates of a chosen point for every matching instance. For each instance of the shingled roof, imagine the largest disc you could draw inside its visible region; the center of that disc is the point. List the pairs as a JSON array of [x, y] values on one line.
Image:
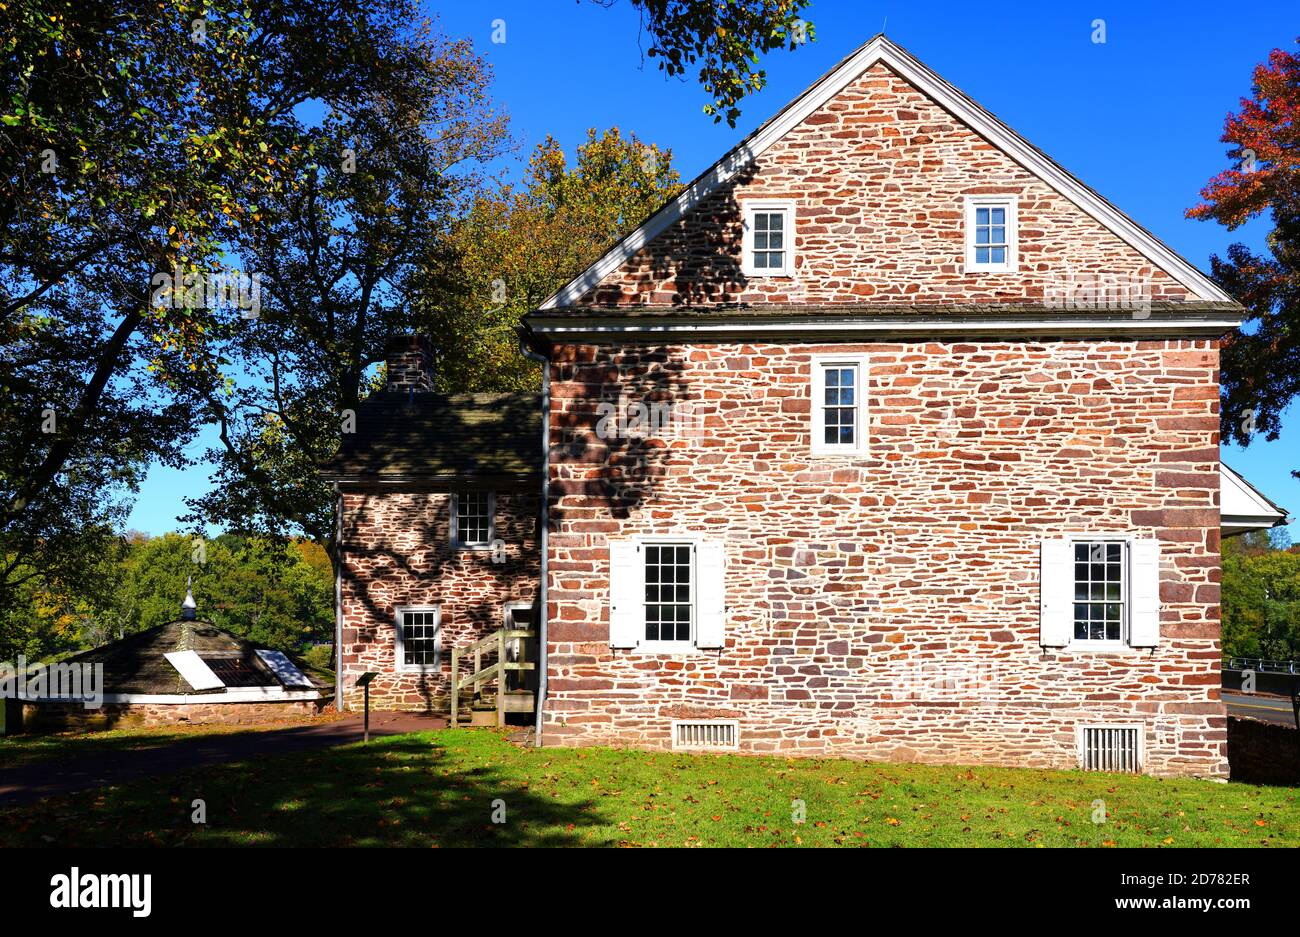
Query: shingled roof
[[430, 436], [137, 663]]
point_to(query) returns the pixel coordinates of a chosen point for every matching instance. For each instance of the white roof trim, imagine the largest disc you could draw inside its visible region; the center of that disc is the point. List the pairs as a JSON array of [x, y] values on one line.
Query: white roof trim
[[955, 102], [1242, 506], [612, 325], [249, 694]]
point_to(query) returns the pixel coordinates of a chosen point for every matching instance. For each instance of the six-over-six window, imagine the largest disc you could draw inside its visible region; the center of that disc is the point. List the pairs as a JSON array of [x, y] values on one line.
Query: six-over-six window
[[1099, 590], [418, 642], [668, 592]]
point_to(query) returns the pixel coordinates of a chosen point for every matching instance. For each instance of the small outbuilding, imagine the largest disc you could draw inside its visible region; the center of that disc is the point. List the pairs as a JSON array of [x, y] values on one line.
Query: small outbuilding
[[185, 671]]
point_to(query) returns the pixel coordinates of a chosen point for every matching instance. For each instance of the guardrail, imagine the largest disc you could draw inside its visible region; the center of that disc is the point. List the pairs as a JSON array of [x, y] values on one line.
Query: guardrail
[[1260, 665]]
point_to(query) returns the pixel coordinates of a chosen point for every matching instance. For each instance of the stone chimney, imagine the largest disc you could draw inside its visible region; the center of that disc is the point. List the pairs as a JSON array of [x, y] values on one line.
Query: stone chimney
[[410, 361]]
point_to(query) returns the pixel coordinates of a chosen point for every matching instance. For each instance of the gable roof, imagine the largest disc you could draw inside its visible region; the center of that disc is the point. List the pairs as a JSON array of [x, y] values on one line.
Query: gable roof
[[1244, 507], [426, 436], [882, 50]]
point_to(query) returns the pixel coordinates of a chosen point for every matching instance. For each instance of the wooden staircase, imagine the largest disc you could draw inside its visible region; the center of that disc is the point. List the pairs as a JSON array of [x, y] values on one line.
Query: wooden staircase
[[483, 695]]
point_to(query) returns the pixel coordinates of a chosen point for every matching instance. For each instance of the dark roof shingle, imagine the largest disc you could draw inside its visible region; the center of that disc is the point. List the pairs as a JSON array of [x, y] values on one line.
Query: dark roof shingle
[[425, 435], [136, 663]]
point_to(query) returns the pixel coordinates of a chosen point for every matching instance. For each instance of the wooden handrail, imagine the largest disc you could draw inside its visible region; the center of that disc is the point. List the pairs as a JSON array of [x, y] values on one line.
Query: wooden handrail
[[481, 674]]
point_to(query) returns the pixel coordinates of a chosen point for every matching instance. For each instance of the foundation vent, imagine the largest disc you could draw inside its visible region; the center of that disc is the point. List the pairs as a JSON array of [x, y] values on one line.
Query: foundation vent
[[1110, 748], [714, 735]]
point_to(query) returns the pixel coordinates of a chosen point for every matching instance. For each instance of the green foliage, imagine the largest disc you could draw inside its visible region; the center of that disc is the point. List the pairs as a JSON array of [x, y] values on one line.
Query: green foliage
[[279, 594], [140, 140], [382, 184], [520, 243], [1261, 600], [276, 594], [725, 39]]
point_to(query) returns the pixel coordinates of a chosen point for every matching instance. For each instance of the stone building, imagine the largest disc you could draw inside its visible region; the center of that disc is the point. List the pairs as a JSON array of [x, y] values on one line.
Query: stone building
[[887, 438]]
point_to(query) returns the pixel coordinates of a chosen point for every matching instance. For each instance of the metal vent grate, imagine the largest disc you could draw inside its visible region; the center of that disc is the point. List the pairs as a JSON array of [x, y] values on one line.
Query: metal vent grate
[[714, 734], [1110, 748]]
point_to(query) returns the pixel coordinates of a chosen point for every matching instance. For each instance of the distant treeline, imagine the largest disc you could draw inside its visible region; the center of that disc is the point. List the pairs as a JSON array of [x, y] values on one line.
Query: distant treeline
[[277, 593], [1261, 596]]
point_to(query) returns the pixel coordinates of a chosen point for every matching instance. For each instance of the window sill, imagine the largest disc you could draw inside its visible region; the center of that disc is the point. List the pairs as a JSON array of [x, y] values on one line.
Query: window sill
[[428, 668], [1103, 647], [472, 547], [839, 453], [658, 649]]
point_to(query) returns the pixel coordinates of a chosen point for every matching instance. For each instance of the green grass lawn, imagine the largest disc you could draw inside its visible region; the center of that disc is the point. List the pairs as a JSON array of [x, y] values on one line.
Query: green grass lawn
[[439, 789]]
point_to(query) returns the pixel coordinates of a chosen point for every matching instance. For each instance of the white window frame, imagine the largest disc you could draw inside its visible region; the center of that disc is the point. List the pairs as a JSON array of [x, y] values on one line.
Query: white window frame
[[672, 647], [399, 643], [1126, 588], [456, 542], [749, 208], [1010, 203], [507, 621], [818, 383]]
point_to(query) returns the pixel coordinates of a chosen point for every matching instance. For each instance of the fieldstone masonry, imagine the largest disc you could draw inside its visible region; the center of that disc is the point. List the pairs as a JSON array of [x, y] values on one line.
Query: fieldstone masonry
[[397, 552], [879, 177], [886, 607]]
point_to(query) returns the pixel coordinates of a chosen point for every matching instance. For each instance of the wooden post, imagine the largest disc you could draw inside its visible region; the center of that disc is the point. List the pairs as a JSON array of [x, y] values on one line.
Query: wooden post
[[455, 686], [501, 678], [363, 681]]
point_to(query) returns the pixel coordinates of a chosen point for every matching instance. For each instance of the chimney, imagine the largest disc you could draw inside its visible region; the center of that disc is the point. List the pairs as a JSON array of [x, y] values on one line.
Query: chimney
[[410, 361]]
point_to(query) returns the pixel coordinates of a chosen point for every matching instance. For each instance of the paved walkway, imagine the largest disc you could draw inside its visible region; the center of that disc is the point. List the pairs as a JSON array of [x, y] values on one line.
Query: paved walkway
[[47, 779]]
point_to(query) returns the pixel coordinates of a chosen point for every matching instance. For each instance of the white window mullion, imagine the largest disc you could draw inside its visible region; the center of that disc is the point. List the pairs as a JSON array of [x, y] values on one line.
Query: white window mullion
[[992, 234], [839, 406], [768, 238]]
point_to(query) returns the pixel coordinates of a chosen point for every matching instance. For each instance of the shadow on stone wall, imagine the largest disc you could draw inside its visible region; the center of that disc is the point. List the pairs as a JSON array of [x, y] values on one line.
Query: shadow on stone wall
[[619, 469], [697, 262], [1261, 753]]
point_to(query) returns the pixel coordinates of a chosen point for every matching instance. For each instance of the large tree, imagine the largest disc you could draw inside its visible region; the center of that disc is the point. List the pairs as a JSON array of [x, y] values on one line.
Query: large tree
[[1261, 361], [137, 141], [340, 248], [521, 242]]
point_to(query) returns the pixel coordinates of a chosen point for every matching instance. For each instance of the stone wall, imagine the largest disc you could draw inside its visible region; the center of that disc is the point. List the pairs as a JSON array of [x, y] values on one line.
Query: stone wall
[[878, 175], [886, 606], [397, 552], [56, 717]]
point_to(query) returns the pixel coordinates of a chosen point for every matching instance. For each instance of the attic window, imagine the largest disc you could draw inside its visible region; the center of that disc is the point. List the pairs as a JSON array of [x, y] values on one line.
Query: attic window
[[991, 234], [768, 239]]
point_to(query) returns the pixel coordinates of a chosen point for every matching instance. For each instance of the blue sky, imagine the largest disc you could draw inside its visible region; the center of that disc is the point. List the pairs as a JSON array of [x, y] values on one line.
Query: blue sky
[[1138, 118]]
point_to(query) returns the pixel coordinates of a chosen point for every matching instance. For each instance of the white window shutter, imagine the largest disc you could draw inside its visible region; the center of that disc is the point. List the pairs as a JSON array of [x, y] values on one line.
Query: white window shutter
[[1144, 593], [710, 593], [626, 594], [1056, 593]]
